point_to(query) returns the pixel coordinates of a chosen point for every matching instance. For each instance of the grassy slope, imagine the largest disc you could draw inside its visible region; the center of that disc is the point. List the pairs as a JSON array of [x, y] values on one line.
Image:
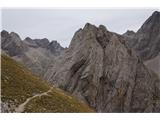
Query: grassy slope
[[18, 84]]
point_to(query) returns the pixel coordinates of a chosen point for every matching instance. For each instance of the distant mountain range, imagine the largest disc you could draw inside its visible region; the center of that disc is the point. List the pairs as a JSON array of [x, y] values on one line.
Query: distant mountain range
[[107, 71], [35, 54]]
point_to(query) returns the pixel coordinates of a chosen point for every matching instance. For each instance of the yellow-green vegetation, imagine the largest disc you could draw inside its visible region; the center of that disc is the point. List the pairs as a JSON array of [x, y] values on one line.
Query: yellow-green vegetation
[[18, 84], [56, 101]]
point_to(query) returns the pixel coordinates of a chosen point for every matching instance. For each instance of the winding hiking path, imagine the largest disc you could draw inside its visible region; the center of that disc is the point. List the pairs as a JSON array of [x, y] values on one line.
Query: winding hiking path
[[21, 107]]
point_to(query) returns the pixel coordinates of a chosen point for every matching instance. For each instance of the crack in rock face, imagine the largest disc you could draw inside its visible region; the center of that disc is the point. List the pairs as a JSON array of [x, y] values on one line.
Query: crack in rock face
[[101, 70]]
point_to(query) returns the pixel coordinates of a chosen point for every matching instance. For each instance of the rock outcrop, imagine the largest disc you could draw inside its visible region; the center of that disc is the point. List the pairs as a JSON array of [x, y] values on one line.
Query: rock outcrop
[[146, 42], [35, 54], [101, 70]]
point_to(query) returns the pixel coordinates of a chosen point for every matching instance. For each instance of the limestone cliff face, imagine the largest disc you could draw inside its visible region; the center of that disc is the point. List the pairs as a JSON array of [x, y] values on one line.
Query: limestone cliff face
[[101, 70], [146, 42]]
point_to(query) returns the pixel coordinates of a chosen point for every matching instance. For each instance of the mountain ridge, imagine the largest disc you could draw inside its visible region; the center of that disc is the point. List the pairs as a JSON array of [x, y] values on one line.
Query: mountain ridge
[[146, 42], [35, 54]]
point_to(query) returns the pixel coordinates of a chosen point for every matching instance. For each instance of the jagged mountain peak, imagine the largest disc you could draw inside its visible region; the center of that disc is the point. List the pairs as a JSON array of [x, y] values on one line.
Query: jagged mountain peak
[[12, 43], [55, 47], [129, 32], [55, 44], [12, 35], [15, 36], [156, 14], [28, 39], [146, 40], [102, 71], [4, 33], [42, 42], [91, 34], [30, 42], [102, 27], [151, 23], [89, 26]]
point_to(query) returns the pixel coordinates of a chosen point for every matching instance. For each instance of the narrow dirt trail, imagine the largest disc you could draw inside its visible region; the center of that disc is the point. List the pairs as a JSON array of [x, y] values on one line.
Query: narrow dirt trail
[[21, 107]]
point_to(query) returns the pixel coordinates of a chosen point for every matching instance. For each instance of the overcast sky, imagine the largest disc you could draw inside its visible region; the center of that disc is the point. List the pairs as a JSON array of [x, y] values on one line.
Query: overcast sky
[[61, 24]]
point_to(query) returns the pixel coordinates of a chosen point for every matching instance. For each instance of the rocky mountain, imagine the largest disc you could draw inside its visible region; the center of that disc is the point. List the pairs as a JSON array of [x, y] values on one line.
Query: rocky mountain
[[146, 42], [100, 69], [12, 43], [35, 54], [107, 71], [21, 91]]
